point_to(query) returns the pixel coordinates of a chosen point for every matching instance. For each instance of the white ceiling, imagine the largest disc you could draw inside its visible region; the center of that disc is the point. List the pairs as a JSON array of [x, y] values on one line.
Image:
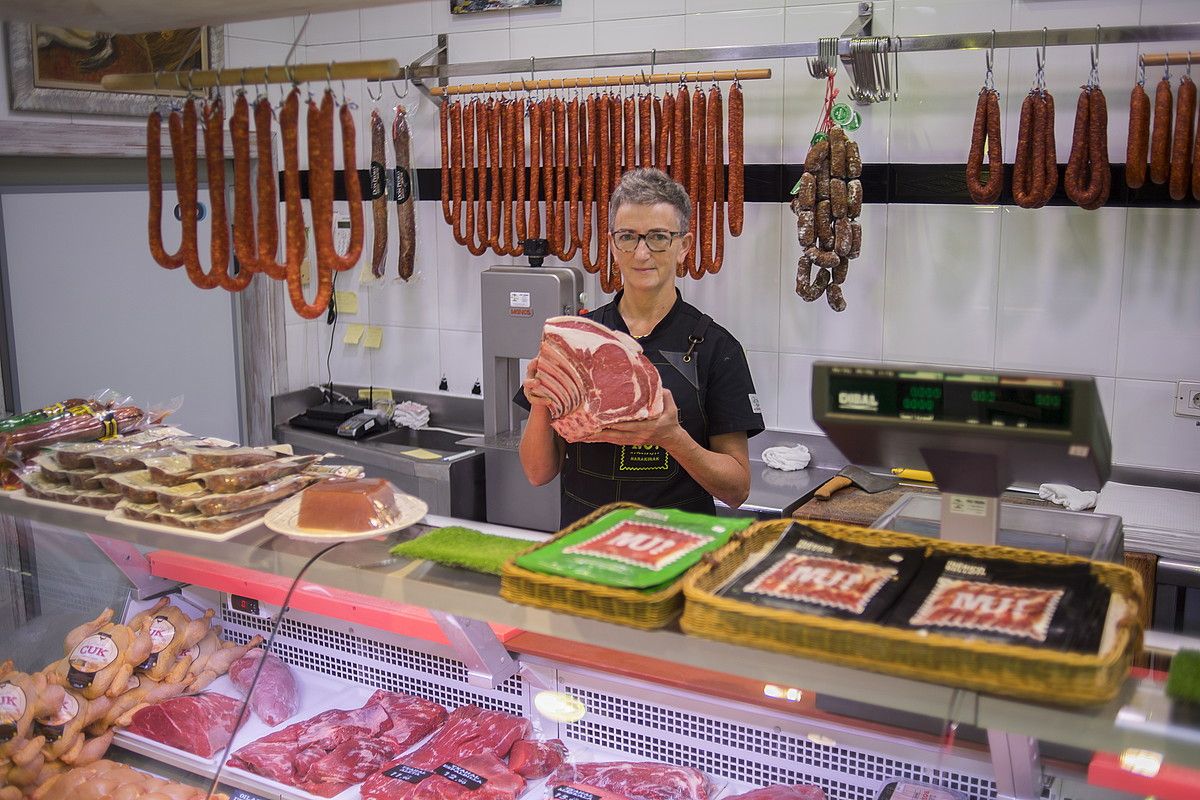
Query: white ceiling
[[136, 16]]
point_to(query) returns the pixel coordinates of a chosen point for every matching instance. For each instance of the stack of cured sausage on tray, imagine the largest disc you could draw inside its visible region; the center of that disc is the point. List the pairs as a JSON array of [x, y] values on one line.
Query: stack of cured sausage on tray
[[1173, 149], [827, 201], [524, 168], [256, 234]]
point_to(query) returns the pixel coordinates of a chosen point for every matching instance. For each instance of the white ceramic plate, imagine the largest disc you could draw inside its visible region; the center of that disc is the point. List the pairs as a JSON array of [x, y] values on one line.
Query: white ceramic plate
[[282, 519]]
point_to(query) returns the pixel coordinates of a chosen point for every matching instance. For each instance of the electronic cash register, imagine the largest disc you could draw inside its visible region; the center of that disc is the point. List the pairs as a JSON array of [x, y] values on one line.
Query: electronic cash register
[[978, 432]]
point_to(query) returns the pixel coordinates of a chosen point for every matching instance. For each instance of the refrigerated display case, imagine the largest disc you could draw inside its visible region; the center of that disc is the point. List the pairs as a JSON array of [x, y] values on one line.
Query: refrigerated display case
[[358, 619]]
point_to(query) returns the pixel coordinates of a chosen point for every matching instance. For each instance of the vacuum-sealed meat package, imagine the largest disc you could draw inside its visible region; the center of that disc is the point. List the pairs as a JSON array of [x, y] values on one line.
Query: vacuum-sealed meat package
[[1061, 606], [276, 696], [237, 479], [216, 504], [635, 780], [534, 758], [812, 573]]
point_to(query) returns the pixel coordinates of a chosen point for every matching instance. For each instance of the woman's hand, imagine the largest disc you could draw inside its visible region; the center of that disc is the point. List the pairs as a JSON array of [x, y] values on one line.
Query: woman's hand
[[535, 391], [662, 431]]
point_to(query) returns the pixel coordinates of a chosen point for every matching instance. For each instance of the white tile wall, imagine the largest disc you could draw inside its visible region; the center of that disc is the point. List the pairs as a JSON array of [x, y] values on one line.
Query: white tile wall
[[1111, 293]]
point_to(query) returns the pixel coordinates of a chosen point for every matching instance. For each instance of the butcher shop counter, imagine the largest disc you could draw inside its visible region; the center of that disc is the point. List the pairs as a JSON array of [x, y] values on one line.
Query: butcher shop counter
[[358, 579], [430, 463]]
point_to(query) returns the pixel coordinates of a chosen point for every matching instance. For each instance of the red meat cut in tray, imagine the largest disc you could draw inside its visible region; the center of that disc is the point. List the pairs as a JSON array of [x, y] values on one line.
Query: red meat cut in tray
[[636, 780], [478, 777], [276, 696], [594, 377], [469, 731], [200, 724], [335, 749], [799, 791], [532, 759]]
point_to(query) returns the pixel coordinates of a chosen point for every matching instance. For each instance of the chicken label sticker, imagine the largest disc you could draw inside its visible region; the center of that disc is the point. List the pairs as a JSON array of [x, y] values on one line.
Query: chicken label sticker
[[162, 633], [89, 657], [12, 708], [991, 607], [640, 544], [53, 727], [829, 582]]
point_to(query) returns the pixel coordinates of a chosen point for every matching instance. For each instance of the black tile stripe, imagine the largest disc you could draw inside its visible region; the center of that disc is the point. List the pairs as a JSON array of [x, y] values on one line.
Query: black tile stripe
[[916, 184]]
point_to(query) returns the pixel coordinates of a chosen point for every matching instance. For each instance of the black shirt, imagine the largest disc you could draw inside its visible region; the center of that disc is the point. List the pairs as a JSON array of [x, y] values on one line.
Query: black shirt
[[714, 392]]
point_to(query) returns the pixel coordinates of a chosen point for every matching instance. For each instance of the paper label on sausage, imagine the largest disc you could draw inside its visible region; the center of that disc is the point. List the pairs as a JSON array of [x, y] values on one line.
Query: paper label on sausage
[[403, 185], [89, 657], [12, 708], [378, 187], [53, 727]]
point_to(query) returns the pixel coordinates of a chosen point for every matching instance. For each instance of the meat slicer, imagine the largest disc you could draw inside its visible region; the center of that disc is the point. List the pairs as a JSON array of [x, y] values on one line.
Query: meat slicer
[[516, 300]]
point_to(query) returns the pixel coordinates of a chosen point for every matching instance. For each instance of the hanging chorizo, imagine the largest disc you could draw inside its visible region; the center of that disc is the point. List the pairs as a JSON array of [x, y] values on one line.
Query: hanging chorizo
[[214, 156], [494, 163], [406, 201], [737, 159], [571, 238], [521, 169], [295, 239], [444, 130], [716, 169], [533, 229], [154, 184], [1160, 135], [699, 226], [589, 140], [1138, 143], [1180, 177], [645, 140], [379, 222], [267, 194]]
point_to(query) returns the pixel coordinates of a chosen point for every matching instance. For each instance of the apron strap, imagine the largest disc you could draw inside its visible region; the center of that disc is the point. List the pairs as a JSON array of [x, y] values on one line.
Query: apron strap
[[696, 336]]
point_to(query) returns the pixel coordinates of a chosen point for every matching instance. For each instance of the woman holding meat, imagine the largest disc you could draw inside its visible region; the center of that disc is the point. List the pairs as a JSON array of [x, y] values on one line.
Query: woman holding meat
[[697, 448]]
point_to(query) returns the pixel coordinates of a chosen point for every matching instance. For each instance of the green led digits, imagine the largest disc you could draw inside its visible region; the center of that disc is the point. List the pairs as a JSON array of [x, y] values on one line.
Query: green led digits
[[983, 396]]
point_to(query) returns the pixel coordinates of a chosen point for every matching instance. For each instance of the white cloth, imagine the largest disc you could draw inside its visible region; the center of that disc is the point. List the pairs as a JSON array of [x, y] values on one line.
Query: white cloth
[[410, 414], [786, 458], [1068, 497]]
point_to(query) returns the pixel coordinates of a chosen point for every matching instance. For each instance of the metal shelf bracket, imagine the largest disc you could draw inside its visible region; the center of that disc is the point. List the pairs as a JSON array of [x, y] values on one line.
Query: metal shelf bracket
[[441, 51], [1017, 765], [488, 663]]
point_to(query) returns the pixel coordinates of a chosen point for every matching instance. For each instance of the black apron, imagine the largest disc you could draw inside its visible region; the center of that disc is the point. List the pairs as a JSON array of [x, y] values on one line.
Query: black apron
[[595, 474]]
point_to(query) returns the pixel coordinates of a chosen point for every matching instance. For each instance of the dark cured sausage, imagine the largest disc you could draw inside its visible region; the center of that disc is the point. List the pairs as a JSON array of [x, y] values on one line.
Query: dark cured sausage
[[1050, 163], [700, 225], [379, 226], [1037, 174], [406, 213], [1181, 140], [482, 128], [630, 131], [562, 239], [519, 167], [714, 165], [1024, 153], [645, 141], [680, 135], [321, 177], [154, 184], [243, 206], [470, 175], [1087, 167], [507, 132], [1160, 136], [737, 159], [615, 138], [588, 139], [534, 228], [214, 156], [663, 143], [457, 161], [1098, 151], [444, 130], [353, 189], [1138, 143], [268, 195], [289, 126], [986, 131], [495, 157], [604, 151], [568, 193]]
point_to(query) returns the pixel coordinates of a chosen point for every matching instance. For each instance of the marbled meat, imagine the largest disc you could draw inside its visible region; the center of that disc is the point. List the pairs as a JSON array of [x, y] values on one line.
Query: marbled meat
[[636, 780], [201, 724]]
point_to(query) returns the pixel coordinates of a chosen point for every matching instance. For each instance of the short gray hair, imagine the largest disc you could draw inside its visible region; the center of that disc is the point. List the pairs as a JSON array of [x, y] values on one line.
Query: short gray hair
[[647, 187]]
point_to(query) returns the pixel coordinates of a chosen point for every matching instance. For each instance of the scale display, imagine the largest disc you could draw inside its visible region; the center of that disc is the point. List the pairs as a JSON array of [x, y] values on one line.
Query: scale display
[[969, 398]]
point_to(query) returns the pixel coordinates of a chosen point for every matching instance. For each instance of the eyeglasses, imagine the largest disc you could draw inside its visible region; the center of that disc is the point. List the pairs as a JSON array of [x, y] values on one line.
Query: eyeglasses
[[656, 241]]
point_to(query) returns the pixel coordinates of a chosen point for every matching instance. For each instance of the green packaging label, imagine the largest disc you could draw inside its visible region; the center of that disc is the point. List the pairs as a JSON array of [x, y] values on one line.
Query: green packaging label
[[634, 548]]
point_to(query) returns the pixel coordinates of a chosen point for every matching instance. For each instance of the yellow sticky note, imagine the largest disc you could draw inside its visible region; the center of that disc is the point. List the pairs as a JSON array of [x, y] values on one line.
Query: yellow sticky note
[[365, 275], [354, 333], [421, 453], [347, 302], [373, 337], [375, 395]]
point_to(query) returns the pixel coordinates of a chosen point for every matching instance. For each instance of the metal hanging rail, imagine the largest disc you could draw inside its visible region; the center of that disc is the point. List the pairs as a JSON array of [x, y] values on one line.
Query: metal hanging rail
[[605, 80]]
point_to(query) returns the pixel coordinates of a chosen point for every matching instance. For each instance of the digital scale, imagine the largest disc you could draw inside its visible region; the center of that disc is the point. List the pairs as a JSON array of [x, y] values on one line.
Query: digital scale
[[977, 431]]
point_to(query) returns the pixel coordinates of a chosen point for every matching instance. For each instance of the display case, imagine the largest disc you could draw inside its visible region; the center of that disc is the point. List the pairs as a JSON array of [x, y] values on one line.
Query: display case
[[358, 619]]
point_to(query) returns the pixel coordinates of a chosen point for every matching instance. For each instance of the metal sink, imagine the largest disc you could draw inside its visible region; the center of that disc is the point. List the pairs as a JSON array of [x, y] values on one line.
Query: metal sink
[[429, 440]]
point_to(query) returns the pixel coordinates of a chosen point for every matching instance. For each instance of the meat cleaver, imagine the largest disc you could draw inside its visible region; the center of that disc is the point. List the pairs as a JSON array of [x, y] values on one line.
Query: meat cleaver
[[856, 476]]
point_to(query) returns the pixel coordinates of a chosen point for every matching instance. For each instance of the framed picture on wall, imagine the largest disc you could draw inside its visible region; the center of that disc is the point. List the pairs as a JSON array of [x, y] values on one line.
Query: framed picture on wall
[[59, 69], [473, 6]]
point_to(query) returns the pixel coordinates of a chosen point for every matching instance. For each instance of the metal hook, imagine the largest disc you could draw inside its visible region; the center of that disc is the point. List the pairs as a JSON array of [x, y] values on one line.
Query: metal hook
[[1189, 64], [1141, 80], [190, 87], [990, 59], [375, 99], [1094, 78], [1040, 56], [329, 76], [896, 70]]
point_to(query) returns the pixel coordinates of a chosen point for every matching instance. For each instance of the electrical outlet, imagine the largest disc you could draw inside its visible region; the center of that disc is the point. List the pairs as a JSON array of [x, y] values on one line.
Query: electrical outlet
[[1187, 399]]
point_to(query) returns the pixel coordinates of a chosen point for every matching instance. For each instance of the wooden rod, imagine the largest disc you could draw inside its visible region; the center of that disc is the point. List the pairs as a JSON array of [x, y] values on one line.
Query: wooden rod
[[605, 80], [379, 69], [1173, 59]]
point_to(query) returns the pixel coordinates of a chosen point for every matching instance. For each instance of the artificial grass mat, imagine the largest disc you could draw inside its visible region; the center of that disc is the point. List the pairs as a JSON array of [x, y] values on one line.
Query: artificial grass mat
[[463, 547]]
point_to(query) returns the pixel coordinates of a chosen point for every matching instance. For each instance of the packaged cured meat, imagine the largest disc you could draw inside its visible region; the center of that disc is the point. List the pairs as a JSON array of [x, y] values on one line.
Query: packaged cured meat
[[276, 696], [180, 498], [201, 724], [1061, 606], [82, 479], [136, 485], [207, 459], [237, 479], [634, 548], [348, 505], [635, 780], [37, 486], [798, 791], [48, 465], [25, 442], [170, 470], [812, 573], [217, 504], [532, 759]]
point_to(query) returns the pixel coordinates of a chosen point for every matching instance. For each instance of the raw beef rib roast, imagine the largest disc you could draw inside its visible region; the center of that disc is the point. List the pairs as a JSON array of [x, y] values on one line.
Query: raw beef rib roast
[[594, 377]]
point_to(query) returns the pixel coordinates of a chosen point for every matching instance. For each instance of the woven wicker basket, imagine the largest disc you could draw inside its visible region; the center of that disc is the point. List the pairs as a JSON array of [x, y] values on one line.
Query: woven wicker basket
[[1006, 669], [633, 607]]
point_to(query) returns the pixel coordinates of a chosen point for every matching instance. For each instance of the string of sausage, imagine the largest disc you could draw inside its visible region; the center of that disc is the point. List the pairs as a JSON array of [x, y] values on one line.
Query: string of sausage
[[321, 176], [589, 137], [615, 139], [604, 154], [664, 124], [289, 125], [533, 230], [566, 148], [495, 159], [482, 132], [154, 182], [986, 131], [214, 155], [406, 212], [1138, 143], [1035, 168], [681, 137], [268, 198], [645, 140], [550, 116], [737, 159], [630, 132], [244, 246], [1087, 176], [519, 167], [1181, 140], [714, 165], [507, 132], [471, 169], [699, 225], [1160, 137], [447, 166], [379, 229]]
